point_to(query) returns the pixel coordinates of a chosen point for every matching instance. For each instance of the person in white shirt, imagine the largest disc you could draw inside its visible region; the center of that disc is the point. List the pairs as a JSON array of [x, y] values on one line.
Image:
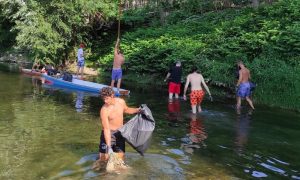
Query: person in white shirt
[[80, 60]]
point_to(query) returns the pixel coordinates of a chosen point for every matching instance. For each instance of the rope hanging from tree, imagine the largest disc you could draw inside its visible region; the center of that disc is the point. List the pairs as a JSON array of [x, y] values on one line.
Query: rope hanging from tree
[[119, 17]]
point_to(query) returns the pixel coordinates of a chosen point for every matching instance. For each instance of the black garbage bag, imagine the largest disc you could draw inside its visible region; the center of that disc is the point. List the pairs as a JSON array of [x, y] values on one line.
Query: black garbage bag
[[138, 130], [67, 77]]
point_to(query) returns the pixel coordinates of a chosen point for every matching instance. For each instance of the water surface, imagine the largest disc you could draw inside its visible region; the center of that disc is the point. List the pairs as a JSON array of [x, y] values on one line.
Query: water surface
[[48, 133]]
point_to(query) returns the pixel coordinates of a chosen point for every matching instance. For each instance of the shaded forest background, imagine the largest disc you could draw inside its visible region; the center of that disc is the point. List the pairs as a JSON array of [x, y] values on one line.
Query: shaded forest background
[[210, 34]]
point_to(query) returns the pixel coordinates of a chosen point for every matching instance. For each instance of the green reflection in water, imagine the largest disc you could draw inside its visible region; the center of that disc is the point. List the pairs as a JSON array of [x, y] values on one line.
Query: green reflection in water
[[43, 136]]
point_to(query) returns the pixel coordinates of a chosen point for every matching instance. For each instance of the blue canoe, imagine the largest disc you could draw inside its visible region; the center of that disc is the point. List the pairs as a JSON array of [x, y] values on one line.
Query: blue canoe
[[80, 85]]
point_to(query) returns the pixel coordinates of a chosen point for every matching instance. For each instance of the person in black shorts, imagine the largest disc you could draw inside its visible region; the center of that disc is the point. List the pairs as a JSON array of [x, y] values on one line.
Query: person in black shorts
[[117, 142], [111, 115]]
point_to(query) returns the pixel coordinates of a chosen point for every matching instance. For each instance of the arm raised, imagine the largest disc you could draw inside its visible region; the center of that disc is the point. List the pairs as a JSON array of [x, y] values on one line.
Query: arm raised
[[117, 47]]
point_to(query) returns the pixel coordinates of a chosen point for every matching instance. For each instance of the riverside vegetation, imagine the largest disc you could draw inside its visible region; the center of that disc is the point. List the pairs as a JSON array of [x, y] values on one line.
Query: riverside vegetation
[[154, 35]]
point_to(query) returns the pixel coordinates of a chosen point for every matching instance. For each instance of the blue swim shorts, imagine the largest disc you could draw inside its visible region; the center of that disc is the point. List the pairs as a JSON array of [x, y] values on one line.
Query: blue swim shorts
[[116, 74], [244, 90], [80, 63]]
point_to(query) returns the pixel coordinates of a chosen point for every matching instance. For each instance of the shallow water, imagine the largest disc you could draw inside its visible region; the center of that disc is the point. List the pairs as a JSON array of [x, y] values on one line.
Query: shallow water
[[48, 133]]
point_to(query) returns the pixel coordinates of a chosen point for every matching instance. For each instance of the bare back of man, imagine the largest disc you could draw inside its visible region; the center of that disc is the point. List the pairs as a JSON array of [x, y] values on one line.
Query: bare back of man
[[243, 86], [195, 80], [197, 94], [118, 60], [117, 64], [245, 75]]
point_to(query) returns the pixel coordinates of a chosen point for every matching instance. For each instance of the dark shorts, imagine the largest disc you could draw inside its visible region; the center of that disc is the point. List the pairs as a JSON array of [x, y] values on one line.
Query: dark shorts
[[116, 74], [244, 90], [117, 142], [80, 63]]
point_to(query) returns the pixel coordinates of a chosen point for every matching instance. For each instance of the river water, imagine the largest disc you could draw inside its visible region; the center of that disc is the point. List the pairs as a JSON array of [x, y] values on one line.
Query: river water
[[50, 133]]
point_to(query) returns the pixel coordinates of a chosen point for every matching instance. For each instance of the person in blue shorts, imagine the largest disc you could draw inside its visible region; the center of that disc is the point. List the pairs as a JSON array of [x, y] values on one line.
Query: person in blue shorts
[[243, 86], [116, 74]]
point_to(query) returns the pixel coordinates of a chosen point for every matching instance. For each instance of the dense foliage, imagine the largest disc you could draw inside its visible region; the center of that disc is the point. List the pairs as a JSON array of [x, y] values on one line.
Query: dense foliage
[[51, 29], [266, 39]]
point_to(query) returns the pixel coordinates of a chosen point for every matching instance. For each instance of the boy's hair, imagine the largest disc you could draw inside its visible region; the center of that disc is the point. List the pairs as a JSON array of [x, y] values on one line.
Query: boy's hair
[[239, 62], [194, 69], [106, 92]]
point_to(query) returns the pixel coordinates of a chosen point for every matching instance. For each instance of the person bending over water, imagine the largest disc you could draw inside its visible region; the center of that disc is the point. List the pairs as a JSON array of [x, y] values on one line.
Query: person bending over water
[[197, 94], [111, 115], [243, 86]]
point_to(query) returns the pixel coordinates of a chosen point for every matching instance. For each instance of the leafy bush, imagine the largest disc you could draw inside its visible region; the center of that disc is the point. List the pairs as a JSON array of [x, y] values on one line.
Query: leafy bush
[[267, 39]]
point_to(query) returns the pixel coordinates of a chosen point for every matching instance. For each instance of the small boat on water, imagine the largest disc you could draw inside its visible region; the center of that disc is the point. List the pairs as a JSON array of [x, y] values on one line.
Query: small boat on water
[[80, 85]]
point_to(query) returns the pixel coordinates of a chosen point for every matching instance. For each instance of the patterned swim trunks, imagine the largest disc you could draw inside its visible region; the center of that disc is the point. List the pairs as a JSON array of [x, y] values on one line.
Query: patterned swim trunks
[[196, 97]]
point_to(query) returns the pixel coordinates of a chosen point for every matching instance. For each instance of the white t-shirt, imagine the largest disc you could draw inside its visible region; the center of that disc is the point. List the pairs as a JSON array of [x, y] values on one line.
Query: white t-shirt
[[80, 55]]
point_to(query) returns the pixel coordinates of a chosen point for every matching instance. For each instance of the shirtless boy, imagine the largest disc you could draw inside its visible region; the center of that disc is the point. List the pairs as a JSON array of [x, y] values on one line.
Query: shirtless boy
[[116, 74], [197, 94], [243, 86]]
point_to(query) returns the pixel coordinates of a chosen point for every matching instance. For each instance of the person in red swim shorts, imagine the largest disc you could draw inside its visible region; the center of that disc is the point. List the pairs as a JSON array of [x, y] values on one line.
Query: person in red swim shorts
[[174, 75], [197, 94]]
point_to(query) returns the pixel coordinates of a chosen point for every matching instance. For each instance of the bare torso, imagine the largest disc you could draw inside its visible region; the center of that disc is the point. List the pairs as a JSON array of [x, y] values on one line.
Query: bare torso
[[115, 114], [245, 75], [195, 80], [118, 61]]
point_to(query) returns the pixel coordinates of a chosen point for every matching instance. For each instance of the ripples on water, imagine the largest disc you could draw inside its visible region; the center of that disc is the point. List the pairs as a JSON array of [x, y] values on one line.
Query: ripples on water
[[47, 132]]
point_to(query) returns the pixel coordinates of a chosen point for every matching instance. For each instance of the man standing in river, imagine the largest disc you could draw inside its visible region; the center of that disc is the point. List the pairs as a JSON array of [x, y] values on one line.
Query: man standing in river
[[197, 94], [243, 86], [175, 80], [111, 115], [117, 70]]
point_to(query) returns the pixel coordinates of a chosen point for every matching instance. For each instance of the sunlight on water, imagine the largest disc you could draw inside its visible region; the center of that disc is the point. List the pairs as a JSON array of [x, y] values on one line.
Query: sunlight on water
[[47, 133]]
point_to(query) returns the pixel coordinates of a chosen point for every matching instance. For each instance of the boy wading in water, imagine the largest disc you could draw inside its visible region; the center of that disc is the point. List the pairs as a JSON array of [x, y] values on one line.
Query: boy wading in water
[[243, 86], [116, 74], [111, 115], [197, 94], [175, 80]]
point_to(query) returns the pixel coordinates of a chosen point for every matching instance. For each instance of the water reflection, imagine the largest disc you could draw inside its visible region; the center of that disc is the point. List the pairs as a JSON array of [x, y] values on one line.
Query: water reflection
[[242, 129], [196, 136], [173, 112], [154, 166], [36, 84], [79, 101]]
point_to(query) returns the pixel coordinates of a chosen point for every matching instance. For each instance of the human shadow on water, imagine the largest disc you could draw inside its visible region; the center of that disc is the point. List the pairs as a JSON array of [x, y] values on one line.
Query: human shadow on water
[[196, 136], [173, 112], [243, 120]]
